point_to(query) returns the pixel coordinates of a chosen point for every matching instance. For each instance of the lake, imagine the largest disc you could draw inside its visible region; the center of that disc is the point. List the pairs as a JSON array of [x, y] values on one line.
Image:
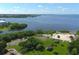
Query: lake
[[49, 22]]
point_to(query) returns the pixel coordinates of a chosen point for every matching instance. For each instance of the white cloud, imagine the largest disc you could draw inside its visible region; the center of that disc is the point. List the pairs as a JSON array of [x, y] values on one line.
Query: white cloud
[[44, 10]]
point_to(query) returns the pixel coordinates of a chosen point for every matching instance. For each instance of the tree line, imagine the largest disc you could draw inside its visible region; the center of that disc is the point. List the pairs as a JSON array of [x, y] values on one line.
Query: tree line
[[17, 15]]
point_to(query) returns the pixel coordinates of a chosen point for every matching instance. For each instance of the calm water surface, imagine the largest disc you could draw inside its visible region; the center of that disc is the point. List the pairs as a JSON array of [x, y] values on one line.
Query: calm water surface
[[49, 22]]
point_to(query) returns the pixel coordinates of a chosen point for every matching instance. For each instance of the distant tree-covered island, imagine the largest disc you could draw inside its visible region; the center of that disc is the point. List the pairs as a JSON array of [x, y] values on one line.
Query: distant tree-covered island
[[17, 15], [13, 26]]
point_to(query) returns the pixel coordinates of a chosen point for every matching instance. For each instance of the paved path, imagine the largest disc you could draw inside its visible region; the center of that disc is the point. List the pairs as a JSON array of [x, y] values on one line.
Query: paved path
[[16, 42], [12, 52]]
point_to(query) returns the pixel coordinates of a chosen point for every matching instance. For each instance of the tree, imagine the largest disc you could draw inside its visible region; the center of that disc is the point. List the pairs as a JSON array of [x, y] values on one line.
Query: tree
[[30, 44], [40, 32], [16, 35], [50, 32], [2, 47], [16, 26], [40, 47], [56, 53], [74, 44], [64, 31], [74, 51], [50, 48]]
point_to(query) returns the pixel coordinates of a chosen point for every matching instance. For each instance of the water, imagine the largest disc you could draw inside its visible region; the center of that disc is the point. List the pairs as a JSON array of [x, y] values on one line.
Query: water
[[49, 22]]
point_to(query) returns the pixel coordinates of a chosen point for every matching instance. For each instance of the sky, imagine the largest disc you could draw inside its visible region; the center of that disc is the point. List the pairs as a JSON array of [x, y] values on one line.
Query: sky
[[39, 8]]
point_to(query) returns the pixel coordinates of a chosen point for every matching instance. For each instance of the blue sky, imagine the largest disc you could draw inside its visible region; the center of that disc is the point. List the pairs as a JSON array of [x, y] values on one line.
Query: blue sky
[[39, 8]]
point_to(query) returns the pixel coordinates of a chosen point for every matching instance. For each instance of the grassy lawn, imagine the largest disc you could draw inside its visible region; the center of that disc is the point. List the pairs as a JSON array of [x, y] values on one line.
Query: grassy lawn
[[61, 48], [47, 42], [45, 52], [4, 28]]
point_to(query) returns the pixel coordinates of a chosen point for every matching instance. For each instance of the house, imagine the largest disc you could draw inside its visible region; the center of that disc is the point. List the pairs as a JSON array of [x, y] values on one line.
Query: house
[[64, 36], [61, 36]]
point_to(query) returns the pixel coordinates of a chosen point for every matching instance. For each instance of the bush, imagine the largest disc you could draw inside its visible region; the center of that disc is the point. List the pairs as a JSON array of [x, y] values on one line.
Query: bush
[[64, 31], [74, 51], [74, 46], [40, 47], [30, 44], [50, 48], [55, 53], [16, 35], [2, 47]]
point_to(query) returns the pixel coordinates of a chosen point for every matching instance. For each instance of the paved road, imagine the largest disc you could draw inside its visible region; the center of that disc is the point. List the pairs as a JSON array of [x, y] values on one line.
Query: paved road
[[16, 42]]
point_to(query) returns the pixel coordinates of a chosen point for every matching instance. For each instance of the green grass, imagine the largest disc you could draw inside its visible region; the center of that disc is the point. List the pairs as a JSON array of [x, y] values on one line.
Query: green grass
[[4, 28], [47, 42], [45, 52], [61, 48]]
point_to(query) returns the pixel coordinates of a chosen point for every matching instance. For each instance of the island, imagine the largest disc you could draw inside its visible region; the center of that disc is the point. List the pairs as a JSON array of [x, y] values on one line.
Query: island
[[4, 25], [18, 15]]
